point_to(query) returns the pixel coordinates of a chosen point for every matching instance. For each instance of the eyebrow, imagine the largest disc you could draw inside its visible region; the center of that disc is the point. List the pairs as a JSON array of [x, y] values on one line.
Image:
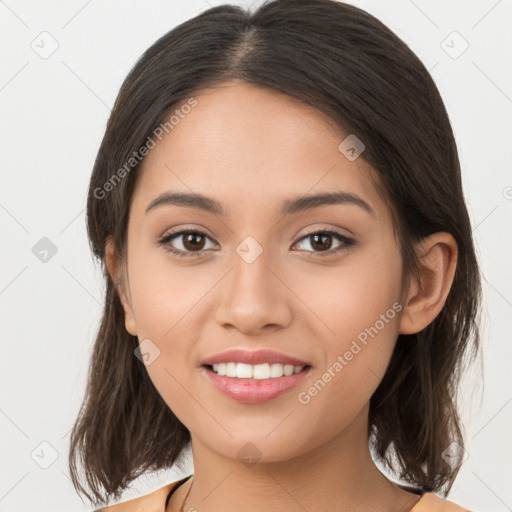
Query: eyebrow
[[290, 206]]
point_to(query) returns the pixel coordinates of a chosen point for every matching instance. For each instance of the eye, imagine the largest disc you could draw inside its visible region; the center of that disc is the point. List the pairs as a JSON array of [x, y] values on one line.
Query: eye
[[193, 242], [322, 240]]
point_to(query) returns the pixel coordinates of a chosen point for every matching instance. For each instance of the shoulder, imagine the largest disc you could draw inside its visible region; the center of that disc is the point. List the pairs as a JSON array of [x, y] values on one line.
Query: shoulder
[[430, 502], [152, 502]]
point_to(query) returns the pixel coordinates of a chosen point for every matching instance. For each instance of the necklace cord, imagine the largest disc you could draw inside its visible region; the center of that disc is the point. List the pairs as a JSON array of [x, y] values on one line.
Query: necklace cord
[[186, 496]]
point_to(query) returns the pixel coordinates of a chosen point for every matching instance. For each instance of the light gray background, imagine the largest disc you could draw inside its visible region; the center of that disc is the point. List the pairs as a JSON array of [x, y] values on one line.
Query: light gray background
[[53, 115]]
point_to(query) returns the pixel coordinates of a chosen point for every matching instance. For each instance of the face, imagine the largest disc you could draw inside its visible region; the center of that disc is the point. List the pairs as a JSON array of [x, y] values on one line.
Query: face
[[322, 284]]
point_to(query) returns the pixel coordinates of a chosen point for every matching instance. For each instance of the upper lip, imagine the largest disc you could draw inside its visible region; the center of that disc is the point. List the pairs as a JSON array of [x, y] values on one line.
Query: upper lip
[[253, 357]]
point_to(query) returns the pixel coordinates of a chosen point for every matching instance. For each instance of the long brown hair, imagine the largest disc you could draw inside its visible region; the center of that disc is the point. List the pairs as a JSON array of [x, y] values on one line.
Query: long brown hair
[[346, 63]]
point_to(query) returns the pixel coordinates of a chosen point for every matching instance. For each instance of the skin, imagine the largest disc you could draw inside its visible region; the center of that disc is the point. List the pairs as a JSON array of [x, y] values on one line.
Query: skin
[[250, 148]]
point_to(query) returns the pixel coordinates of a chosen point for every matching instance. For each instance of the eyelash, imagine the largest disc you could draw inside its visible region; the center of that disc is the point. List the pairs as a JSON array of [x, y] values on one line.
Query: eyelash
[[164, 241]]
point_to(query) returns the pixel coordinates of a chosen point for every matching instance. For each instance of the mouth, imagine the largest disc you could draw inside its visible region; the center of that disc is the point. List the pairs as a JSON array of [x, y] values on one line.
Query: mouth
[[254, 384]]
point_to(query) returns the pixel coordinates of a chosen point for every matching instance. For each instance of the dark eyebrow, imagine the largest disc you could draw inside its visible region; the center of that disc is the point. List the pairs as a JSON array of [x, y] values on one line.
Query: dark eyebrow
[[307, 202], [186, 199], [289, 206]]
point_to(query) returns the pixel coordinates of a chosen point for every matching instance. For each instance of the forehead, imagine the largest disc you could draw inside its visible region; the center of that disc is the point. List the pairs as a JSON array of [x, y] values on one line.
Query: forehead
[[252, 145]]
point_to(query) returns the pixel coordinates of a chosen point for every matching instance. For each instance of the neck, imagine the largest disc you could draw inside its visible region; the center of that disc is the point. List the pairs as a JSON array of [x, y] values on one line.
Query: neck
[[338, 475]]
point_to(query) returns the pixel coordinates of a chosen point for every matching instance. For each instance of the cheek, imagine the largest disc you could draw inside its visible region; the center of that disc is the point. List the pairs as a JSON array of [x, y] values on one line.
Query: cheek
[[163, 294], [166, 301], [351, 297], [360, 310]]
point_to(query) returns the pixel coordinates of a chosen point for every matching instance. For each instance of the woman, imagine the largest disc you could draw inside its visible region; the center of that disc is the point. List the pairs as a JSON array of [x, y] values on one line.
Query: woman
[[291, 282]]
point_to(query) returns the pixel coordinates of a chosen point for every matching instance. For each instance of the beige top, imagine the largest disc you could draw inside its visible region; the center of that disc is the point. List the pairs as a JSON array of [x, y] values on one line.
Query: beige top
[[155, 502]]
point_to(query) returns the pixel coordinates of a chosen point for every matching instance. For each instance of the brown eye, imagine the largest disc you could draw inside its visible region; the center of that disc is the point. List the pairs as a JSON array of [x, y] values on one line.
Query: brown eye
[[322, 241], [189, 242], [193, 241]]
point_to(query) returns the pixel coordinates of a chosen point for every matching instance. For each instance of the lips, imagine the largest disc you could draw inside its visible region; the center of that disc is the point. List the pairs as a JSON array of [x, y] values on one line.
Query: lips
[[253, 357]]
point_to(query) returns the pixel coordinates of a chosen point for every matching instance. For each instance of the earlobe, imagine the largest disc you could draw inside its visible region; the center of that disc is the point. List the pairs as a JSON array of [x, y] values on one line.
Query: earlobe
[[120, 282], [438, 261]]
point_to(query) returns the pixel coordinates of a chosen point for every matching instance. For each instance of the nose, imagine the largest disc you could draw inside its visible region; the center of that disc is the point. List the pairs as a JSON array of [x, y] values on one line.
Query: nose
[[254, 296]]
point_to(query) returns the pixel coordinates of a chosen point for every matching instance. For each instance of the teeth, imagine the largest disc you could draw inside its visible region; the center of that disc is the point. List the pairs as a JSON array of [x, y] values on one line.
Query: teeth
[[258, 371]]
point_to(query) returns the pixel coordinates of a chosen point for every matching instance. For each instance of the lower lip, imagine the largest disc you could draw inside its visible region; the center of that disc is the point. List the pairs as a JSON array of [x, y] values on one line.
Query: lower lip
[[254, 391]]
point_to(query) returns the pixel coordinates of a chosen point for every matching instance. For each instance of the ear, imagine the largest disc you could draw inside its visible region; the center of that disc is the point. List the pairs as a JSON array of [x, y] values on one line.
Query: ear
[[116, 272], [438, 261]]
